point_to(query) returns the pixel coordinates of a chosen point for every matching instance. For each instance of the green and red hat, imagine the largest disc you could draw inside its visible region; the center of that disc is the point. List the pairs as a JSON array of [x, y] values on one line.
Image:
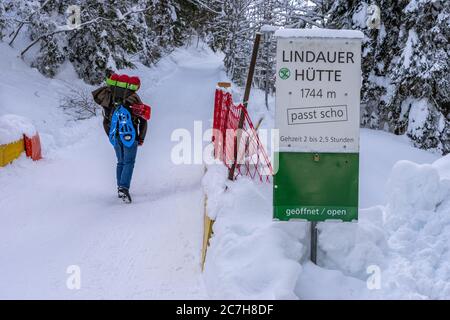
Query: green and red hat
[[135, 81], [124, 81]]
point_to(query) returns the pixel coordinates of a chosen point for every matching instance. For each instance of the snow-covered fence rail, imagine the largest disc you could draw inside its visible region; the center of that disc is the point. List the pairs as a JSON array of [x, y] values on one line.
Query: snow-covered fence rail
[[18, 135]]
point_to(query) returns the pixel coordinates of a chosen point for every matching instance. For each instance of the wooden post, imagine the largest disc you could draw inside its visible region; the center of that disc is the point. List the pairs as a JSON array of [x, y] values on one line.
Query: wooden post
[[207, 231], [248, 87], [266, 81]]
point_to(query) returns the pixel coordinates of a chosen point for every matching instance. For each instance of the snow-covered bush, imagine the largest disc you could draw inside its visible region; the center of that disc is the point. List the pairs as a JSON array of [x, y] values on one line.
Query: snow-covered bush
[[79, 105]]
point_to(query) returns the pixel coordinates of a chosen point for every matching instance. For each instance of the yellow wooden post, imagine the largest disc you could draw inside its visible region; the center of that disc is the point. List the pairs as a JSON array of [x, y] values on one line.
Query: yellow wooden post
[[11, 151], [207, 231]]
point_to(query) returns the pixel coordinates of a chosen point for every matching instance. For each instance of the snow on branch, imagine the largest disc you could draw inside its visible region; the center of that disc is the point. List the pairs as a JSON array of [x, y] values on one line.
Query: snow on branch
[[203, 5], [15, 33], [66, 28]]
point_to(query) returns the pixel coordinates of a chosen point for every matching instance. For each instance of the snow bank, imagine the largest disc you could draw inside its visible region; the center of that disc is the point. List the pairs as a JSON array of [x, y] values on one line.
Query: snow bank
[[443, 166], [27, 93], [413, 188], [352, 247], [13, 127], [316, 283], [318, 33], [249, 256], [214, 184], [408, 239], [418, 229]]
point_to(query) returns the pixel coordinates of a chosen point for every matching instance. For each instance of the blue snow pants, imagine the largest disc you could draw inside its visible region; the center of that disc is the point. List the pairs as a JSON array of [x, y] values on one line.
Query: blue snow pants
[[125, 163]]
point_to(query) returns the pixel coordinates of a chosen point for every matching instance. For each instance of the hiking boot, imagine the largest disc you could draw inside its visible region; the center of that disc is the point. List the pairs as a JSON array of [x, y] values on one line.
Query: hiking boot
[[124, 194]]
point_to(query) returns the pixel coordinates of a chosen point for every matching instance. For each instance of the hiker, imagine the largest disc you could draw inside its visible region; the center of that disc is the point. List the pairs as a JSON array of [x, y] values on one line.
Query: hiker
[[125, 123]]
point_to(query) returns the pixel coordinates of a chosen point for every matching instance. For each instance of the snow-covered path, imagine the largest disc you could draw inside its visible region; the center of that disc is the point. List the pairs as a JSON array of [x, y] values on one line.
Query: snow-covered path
[[62, 211]]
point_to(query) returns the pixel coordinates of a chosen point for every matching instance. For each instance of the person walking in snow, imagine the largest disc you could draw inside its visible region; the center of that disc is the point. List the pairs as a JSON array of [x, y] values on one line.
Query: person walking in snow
[[125, 124]]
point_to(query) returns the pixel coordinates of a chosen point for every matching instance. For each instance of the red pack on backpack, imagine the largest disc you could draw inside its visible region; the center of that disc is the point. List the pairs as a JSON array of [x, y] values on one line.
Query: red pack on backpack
[[142, 110]]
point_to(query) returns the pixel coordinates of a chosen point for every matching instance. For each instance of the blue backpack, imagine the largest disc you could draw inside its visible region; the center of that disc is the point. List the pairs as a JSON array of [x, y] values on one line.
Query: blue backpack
[[122, 124]]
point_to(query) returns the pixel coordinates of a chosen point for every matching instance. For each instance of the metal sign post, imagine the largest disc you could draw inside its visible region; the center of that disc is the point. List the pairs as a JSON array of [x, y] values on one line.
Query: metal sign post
[[317, 113], [313, 254]]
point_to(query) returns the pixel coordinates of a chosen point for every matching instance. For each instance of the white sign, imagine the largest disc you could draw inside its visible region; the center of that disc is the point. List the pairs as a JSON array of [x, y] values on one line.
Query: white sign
[[318, 91]]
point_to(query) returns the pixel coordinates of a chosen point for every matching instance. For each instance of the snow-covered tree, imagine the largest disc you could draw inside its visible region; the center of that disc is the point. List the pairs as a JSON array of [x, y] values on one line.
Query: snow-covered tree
[[232, 28], [405, 66], [113, 34], [41, 20], [98, 48], [2, 20], [405, 63], [231, 32], [267, 17]]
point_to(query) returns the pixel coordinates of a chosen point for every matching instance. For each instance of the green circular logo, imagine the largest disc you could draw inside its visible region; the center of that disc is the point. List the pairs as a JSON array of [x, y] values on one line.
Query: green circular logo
[[284, 73]]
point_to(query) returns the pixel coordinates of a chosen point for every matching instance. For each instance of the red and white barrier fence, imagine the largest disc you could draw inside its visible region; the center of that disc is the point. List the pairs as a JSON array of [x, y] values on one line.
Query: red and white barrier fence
[[232, 144]]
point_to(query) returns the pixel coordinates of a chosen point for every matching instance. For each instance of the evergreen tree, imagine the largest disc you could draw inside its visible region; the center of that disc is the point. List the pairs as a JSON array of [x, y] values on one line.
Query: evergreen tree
[[112, 33], [232, 32], [405, 65], [50, 55], [2, 20], [101, 47]]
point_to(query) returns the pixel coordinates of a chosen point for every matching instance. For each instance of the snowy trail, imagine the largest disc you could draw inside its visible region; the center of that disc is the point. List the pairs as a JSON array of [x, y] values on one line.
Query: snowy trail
[[63, 211]]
